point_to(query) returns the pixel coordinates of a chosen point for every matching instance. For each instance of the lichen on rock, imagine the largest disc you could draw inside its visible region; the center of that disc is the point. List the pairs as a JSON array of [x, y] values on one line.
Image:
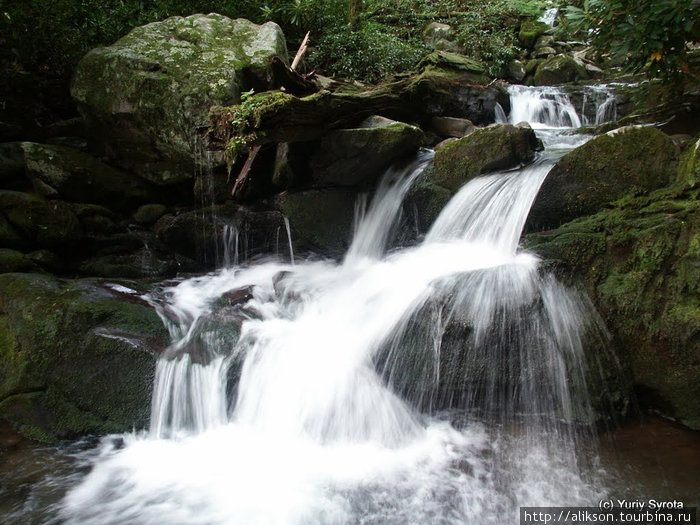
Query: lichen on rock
[[145, 96]]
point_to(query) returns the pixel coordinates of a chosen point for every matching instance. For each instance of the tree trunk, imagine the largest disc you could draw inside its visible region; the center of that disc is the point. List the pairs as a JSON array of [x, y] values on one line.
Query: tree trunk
[[355, 12]]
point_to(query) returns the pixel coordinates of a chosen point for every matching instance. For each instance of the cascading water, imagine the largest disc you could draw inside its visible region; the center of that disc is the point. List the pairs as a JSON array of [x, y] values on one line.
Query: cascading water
[[441, 383]]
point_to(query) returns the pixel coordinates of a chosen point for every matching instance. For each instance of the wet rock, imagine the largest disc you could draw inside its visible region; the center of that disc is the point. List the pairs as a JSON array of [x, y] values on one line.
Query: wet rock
[[440, 36], [14, 261], [237, 296], [607, 168], [199, 235], [450, 61], [320, 220], [144, 97], [558, 69], [545, 52], [75, 357], [516, 70], [530, 31], [358, 156], [496, 147], [638, 260], [36, 222], [149, 213], [59, 172], [452, 126]]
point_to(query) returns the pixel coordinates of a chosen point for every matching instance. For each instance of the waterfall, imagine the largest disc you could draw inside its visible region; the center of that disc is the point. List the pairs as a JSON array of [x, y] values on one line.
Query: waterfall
[[440, 383], [552, 107]]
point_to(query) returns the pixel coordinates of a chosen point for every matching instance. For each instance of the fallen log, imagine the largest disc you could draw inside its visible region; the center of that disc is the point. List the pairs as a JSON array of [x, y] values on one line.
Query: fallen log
[[281, 117]]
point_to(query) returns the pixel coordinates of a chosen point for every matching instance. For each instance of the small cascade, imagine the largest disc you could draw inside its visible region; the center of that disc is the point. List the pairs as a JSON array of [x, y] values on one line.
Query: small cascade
[[549, 17], [602, 103], [230, 243], [551, 107], [288, 229], [542, 107], [372, 228]]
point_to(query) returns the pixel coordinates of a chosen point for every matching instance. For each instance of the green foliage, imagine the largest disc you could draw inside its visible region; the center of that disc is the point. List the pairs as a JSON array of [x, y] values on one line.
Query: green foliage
[[49, 38], [486, 30], [650, 35], [369, 54]]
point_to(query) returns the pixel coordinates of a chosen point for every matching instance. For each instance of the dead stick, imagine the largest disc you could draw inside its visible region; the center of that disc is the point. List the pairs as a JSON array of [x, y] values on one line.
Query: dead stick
[[301, 51], [246, 168]]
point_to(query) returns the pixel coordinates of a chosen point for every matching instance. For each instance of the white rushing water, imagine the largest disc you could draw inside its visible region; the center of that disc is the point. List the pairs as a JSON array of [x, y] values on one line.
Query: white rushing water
[[315, 392]]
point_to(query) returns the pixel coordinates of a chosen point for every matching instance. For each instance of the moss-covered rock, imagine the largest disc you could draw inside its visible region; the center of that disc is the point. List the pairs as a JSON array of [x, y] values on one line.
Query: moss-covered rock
[[60, 172], [145, 96], [14, 261], [605, 169], [640, 263], [689, 170], [530, 31], [36, 222], [557, 69], [358, 156], [449, 61], [149, 213], [76, 356], [320, 220], [497, 147]]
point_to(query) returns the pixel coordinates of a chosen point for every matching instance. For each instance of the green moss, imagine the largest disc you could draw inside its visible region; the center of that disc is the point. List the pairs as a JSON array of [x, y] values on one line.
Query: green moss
[[530, 31], [689, 166], [558, 69], [644, 279], [84, 349], [487, 149]]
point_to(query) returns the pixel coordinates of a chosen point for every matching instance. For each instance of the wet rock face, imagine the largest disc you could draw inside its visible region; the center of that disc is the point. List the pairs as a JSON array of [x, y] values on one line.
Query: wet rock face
[[76, 356], [144, 97], [358, 156], [497, 147], [638, 261], [605, 169], [60, 172]]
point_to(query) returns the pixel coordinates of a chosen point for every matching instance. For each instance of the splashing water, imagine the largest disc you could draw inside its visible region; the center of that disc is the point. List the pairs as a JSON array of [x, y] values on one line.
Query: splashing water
[[441, 383]]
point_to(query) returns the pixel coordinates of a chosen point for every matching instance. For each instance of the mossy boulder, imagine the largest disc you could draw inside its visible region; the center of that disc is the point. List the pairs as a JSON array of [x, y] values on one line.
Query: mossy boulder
[[60, 172], [618, 164], [497, 147], [558, 69], [76, 356], [689, 170], [472, 69], [14, 261], [358, 156], [530, 31], [639, 261], [31, 221], [145, 96], [320, 220], [149, 213]]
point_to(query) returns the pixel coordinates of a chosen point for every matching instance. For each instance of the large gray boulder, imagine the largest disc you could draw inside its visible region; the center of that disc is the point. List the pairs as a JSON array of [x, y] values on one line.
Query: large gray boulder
[[145, 96]]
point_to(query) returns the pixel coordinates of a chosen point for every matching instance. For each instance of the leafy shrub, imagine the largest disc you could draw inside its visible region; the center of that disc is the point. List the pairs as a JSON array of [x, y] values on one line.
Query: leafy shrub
[[369, 54], [649, 35]]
